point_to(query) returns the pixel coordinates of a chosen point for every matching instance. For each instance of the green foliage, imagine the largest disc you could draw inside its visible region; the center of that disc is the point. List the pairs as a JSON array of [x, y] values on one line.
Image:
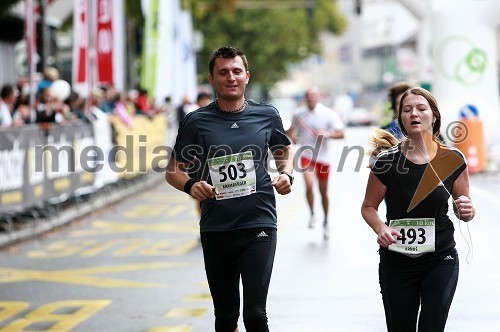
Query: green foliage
[[5, 5], [133, 11], [272, 38]]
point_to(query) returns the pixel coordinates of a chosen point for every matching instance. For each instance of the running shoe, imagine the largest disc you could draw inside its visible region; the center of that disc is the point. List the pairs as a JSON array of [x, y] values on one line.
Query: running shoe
[[326, 231], [312, 221]]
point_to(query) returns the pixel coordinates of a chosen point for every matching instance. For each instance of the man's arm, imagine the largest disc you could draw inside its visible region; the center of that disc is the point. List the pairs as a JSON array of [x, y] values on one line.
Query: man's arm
[[177, 177], [337, 134], [338, 126], [284, 163]]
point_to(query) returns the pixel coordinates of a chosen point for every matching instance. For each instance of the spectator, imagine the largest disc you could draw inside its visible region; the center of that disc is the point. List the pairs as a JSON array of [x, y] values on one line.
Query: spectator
[[142, 104], [120, 102], [184, 109], [203, 99], [8, 96], [108, 103], [23, 113]]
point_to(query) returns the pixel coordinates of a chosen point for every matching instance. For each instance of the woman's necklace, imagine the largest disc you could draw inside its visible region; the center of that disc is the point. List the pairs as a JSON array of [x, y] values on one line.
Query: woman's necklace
[[231, 111]]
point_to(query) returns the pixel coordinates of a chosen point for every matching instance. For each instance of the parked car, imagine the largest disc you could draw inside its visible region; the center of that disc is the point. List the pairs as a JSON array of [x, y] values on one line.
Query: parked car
[[286, 107], [359, 116]]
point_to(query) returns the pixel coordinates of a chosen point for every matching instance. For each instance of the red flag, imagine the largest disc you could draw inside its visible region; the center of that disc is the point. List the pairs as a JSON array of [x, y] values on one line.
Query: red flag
[[104, 42], [81, 41]]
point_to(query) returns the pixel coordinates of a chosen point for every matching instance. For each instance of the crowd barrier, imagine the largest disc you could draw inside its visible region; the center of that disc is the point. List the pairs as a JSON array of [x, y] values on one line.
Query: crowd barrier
[[40, 166]]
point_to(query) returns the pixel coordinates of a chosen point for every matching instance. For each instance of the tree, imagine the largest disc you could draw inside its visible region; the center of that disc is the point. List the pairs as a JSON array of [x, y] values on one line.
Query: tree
[[273, 34], [5, 5]]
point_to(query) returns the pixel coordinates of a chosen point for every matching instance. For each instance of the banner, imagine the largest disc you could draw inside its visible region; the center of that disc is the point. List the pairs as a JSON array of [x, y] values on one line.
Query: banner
[[104, 42], [140, 147], [187, 55], [81, 48], [30, 37], [83, 144], [465, 59], [119, 50], [59, 162], [104, 136], [13, 146], [150, 43], [38, 167], [34, 170]]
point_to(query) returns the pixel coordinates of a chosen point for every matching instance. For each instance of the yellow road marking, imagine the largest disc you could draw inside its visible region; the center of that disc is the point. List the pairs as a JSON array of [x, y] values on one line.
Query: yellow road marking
[[123, 247], [186, 312], [11, 308], [51, 313], [155, 210], [85, 276], [176, 328], [198, 297], [163, 248], [102, 227]]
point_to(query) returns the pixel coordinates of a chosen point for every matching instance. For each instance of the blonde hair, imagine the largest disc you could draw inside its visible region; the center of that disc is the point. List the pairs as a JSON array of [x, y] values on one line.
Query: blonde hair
[[381, 140]]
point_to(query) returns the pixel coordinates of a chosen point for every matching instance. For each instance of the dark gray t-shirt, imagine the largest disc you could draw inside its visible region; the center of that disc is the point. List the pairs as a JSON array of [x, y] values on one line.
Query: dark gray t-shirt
[[210, 133]]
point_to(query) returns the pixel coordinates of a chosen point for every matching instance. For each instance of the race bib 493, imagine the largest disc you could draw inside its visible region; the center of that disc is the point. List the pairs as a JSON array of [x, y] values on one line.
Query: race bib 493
[[418, 236]]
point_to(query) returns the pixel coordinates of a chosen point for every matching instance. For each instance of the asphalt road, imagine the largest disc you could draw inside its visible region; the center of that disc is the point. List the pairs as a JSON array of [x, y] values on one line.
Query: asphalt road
[[137, 265]]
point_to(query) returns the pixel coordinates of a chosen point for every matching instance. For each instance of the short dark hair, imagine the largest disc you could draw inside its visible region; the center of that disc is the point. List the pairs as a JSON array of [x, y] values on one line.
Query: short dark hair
[[226, 52], [436, 126], [7, 91], [394, 91], [203, 95]]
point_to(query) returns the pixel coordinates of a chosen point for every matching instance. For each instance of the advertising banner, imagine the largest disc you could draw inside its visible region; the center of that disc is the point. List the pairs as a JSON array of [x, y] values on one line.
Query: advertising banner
[[81, 47], [59, 159], [104, 42], [20, 186]]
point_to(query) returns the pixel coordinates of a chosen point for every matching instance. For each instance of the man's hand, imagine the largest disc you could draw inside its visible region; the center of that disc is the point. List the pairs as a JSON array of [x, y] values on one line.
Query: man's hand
[[282, 184], [202, 190]]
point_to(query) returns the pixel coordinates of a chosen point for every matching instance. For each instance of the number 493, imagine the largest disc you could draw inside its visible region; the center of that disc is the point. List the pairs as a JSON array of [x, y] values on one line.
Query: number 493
[[409, 236]]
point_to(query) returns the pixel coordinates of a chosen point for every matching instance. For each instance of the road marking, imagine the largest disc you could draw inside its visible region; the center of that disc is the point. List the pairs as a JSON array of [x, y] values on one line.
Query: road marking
[[158, 210], [122, 247], [159, 248], [186, 312], [176, 328], [198, 297], [85, 276], [59, 316], [102, 227], [11, 308]]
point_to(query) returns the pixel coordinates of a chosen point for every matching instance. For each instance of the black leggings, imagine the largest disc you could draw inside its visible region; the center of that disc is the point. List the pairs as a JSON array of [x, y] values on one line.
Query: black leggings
[[249, 253], [427, 284]]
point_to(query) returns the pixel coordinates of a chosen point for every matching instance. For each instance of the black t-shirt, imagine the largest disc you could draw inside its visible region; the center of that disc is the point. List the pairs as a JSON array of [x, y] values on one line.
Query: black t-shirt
[[209, 133], [421, 190]]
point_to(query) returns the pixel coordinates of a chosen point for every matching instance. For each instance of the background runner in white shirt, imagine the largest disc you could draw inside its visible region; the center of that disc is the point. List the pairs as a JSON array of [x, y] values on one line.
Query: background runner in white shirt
[[312, 125]]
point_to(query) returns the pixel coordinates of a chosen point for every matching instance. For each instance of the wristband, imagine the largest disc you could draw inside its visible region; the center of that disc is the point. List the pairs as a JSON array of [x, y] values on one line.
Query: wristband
[[188, 185]]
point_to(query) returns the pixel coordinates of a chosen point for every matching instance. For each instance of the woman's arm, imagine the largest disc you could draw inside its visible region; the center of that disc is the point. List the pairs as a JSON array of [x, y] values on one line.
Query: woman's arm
[[462, 204], [375, 193]]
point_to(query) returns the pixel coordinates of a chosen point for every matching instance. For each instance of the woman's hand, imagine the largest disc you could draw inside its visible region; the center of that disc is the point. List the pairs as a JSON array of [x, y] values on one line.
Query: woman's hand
[[387, 236], [464, 209]]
